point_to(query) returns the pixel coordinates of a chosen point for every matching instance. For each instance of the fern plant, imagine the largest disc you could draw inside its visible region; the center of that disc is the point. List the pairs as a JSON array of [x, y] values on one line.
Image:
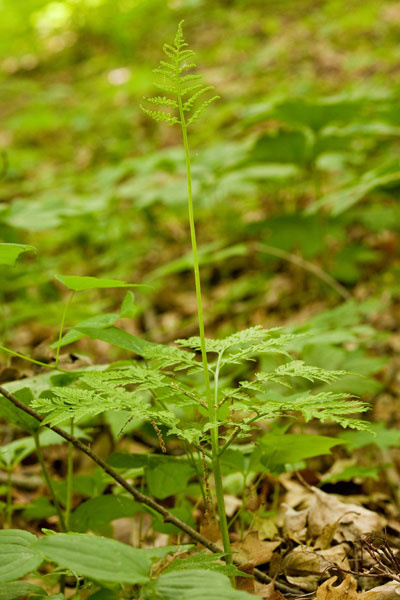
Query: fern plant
[[185, 89], [220, 409], [203, 402]]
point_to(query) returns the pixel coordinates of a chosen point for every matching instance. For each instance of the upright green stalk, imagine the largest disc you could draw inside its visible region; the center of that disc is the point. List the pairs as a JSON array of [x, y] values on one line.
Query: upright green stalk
[[186, 89], [48, 480], [9, 498], [66, 307], [212, 404], [70, 467]]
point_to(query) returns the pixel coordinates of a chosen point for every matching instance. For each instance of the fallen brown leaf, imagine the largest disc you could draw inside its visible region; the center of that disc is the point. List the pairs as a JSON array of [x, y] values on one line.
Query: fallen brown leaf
[[352, 521], [389, 591], [253, 551], [304, 566], [347, 590], [267, 592]]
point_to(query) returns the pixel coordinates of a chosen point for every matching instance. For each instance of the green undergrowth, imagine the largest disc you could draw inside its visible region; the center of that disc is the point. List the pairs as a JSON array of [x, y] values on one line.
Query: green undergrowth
[[291, 242]]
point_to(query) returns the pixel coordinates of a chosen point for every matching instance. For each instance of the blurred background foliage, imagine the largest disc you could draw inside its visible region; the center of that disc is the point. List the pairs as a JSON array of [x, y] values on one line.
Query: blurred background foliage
[[298, 161]]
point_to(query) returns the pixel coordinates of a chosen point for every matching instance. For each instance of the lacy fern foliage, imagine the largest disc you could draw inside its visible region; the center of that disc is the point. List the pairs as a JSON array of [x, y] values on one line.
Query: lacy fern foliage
[[185, 88]]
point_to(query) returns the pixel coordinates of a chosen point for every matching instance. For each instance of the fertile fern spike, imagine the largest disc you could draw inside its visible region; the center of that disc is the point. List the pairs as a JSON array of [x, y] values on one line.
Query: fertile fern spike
[[179, 85]]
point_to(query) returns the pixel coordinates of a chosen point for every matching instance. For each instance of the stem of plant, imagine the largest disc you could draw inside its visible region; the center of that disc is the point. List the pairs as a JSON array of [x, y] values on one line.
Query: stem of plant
[[9, 497], [70, 467], [212, 406], [48, 480], [66, 307], [24, 357]]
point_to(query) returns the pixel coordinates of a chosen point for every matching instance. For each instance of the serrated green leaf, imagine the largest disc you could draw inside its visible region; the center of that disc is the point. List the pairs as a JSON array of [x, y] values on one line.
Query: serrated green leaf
[[96, 514], [168, 477]]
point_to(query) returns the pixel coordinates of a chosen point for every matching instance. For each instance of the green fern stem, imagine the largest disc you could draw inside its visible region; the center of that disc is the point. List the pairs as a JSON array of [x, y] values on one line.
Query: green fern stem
[[70, 468], [212, 408]]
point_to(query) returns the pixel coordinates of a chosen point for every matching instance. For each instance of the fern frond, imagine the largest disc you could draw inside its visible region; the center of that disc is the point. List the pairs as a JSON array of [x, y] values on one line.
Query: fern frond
[[170, 356], [160, 116], [181, 85], [191, 77], [167, 74], [185, 54], [167, 65], [191, 88], [170, 89], [189, 103], [162, 101], [169, 51], [200, 110], [76, 402], [185, 67], [297, 368], [144, 378], [179, 41], [245, 336]]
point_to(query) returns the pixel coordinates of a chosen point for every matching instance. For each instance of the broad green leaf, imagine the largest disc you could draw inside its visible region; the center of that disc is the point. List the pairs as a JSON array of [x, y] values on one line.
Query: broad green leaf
[[168, 477], [128, 308], [77, 283], [120, 338], [283, 147], [98, 322], [193, 584], [104, 594], [18, 589], [320, 112], [40, 508], [96, 557], [232, 461], [183, 513], [19, 554], [165, 475], [205, 560], [96, 514], [13, 414], [119, 460], [89, 486], [278, 450], [9, 253], [379, 435], [353, 472]]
